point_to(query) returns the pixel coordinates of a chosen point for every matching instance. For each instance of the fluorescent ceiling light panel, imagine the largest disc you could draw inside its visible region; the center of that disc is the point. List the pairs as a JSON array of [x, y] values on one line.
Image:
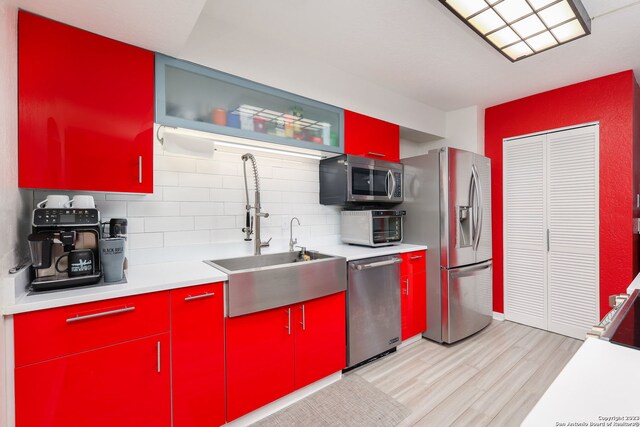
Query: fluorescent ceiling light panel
[[528, 26], [512, 10], [517, 50], [557, 14], [466, 8], [503, 37], [538, 4], [568, 31], [521, 28], [542, 41], [487, 21]]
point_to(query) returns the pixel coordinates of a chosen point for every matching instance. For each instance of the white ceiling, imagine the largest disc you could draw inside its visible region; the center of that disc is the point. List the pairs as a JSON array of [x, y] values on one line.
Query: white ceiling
[[413, 49]]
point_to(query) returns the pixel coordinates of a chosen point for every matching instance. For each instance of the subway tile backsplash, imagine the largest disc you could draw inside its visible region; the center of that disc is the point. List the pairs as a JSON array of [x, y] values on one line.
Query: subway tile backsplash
[[203, 201]]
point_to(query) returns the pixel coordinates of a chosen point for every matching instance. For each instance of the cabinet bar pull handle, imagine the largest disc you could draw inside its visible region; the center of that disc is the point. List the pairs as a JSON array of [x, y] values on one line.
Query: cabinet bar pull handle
[[139, 169], [158, 351], [416, 257], [104, 313], [304, 322], [288, 327], [376, 154], [205, 295], [406, 282]]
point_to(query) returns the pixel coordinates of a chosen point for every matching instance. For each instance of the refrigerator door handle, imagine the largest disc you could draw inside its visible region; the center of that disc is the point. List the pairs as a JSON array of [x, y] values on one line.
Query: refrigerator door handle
[[471, 270], [477, 218]]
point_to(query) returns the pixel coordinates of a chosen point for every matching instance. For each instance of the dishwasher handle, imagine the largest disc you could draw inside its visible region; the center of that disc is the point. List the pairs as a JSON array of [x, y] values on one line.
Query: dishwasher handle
[[376, 264]]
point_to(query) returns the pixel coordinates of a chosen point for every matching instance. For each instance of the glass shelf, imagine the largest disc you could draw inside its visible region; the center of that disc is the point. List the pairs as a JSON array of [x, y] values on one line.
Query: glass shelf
[[195, 97]]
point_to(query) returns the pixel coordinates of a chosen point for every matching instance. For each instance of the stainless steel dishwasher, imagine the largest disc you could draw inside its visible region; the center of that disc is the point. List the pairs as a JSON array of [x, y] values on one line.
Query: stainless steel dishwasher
[[373, 307]]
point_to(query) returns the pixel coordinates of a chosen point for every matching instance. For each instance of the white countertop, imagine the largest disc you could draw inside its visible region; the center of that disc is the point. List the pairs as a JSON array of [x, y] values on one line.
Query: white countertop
[[168, 268], [601, 380]]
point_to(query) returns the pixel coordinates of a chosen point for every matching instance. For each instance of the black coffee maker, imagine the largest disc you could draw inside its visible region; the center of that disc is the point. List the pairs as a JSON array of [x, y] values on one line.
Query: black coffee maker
[[64, 248]]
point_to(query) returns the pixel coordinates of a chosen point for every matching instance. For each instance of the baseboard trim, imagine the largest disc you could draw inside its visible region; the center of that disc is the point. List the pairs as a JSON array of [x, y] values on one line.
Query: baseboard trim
[[498, 316], [410, 341]]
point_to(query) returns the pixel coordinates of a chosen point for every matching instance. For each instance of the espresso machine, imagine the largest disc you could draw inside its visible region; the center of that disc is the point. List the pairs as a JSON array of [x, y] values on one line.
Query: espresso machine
[[64, 248]]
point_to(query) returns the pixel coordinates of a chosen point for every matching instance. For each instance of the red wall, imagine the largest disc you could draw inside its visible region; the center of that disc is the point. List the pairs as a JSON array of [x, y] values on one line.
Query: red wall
[[610, 101]]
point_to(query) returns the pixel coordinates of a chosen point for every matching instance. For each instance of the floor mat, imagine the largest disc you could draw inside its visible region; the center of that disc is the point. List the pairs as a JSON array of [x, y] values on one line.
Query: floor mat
[[352, 402]]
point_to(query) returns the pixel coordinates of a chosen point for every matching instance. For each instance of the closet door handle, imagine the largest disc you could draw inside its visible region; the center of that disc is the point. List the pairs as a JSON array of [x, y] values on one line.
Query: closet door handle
[[548, 238]]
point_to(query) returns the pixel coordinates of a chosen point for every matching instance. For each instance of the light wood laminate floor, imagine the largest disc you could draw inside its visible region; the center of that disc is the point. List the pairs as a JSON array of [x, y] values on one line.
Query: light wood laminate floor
[[493, 378]]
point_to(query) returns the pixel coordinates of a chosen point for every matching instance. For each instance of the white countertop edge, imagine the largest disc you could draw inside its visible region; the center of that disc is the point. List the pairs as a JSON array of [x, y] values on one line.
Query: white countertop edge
[[140, 280]]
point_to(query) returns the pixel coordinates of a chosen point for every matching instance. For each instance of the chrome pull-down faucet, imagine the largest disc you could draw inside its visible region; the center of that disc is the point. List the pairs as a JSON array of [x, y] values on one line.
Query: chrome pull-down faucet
[[292, 241], [255, 221]]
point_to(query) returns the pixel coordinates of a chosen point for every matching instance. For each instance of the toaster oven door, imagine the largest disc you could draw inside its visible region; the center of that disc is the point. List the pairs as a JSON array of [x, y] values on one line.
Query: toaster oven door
[[386, 229]]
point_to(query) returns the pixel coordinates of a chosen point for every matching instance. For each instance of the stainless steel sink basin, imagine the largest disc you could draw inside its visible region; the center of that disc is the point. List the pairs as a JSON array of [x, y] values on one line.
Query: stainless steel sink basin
[[263, 282], [231, 265]]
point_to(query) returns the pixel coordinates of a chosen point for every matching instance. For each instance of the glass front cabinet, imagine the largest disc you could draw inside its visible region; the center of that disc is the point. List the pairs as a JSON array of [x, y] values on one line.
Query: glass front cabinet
[[196, 97]]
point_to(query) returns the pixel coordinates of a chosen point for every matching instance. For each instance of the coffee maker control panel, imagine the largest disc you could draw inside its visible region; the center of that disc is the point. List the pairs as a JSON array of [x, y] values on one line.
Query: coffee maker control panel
[[65, 217]]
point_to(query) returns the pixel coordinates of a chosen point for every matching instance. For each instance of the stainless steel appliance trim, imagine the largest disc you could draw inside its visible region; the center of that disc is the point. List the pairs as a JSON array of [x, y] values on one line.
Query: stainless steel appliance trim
[[139, 169], [102, 314], [158, 354], [370, 164], [377, 154], [205, 295], [304, 322], [373, 310], [377, 264]]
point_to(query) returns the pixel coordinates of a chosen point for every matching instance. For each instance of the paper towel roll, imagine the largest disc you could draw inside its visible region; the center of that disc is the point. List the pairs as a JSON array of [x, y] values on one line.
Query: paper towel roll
[[188, 145]]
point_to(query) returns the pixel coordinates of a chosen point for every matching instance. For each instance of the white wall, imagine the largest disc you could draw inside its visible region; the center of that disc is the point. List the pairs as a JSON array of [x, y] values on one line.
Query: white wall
[[197, 201], [464, 130]]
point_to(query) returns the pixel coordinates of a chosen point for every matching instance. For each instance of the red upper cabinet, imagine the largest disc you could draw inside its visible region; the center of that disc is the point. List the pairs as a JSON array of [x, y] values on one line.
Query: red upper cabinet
[[369, 137], [85, 110], [197, 344]]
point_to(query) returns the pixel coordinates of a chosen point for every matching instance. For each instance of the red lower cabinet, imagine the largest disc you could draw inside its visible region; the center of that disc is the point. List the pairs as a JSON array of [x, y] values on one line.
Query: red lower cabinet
[[125, 384], [413, 294], [320, 338], [259, 360], [197, 345], [274, 352]]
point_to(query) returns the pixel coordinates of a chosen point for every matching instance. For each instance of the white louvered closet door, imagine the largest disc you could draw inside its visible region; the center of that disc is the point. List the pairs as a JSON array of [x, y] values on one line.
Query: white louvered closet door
[[573, 267], [551, 226], [525, 250]]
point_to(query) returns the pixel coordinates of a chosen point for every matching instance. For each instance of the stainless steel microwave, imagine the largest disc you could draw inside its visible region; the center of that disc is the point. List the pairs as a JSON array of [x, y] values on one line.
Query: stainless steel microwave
[[348, 179], [372, 227]]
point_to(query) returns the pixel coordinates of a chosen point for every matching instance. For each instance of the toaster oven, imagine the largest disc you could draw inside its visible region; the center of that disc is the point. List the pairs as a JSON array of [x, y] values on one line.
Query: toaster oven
[[372, 227]]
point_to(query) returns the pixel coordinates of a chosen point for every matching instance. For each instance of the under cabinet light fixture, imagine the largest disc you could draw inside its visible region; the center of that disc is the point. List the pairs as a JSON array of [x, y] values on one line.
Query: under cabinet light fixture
[[521, 28], [193, 143]]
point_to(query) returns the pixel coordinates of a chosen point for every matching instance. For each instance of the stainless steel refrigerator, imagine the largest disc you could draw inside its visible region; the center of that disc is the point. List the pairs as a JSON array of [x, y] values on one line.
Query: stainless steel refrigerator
[[448, 203]]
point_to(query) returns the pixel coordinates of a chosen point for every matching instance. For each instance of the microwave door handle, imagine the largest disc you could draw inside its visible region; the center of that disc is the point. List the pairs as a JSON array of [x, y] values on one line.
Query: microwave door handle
[[389, 184], [393, 185]]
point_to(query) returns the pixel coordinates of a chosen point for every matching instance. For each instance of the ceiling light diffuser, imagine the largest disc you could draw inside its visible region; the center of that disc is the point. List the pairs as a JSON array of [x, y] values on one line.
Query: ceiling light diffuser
[[521, 28]]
